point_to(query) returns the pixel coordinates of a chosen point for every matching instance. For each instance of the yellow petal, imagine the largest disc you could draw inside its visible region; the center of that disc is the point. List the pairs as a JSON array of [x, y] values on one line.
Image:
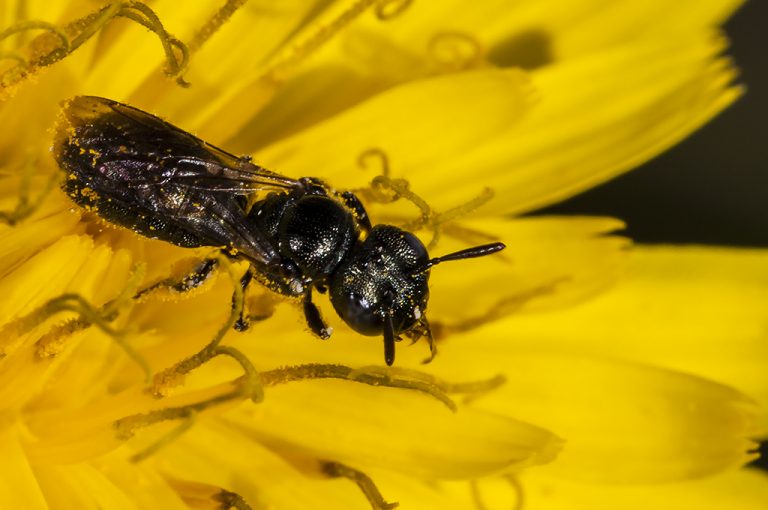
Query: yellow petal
[[621, 422], [536, 32], [548, 263], [127, 477], [81, 371], [88, 487], [27, 148], [19, 244], [410, 432], [220, 454], [417, 124], [63, 486], [699, 310], [71, 265], [122, 63], [224, 70], [44, 276], [736, 490], [430, 38], [19, 489], [49, 11], [598, 116], [605, 25], [412, 492]]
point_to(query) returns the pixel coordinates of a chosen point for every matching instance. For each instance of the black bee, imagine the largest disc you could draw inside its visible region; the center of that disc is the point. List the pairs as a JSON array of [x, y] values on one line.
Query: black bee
[[137, 171]]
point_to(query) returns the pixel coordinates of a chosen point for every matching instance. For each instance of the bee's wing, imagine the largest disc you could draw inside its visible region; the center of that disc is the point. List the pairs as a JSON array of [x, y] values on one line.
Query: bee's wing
[[152, 151], [138, 171]]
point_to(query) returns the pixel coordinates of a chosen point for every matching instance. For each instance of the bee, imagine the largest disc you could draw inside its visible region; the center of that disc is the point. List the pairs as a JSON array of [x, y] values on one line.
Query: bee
[[298, 236]]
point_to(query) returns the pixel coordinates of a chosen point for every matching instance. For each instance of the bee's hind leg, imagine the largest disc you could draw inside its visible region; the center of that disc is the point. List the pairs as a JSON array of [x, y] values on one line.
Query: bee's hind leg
[[188, 282], [243, 323]]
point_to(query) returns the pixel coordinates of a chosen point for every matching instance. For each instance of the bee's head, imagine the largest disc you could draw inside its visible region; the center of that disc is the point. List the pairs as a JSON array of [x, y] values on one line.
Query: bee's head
[[382, 287]]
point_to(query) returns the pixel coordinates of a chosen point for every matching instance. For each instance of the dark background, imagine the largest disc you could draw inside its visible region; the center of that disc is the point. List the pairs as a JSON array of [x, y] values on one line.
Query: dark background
[[713, 187]]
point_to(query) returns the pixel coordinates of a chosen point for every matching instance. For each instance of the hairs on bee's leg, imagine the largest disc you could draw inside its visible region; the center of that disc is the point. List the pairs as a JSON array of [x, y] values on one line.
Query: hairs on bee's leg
[[195, 279], [190, 281]]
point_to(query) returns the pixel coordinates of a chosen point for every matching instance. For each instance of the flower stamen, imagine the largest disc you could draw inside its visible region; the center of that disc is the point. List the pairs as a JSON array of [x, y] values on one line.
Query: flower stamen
[[45, 52], [202, 496], [501, 308], [247, 386], [514, 482], [51, 343], [214, 23], [398, 377], [175, 65], [184, 425], [250, 386], [363, 481], [468, 207], [384, 189], [324, 33], [89, 315], [390, 377], [12, 55], [456, 51], [23, 26], [127, 426], [389, 9], [369, 375], [476, 389], [377, 154], [230, 500]]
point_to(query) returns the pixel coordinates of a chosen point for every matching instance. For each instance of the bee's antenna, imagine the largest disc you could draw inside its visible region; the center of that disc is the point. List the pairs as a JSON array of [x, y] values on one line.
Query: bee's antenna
[[468, 253]]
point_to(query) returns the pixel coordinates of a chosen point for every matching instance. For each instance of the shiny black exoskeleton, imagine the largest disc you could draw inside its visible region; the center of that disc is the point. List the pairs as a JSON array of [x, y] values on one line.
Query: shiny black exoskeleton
[[137, 171]]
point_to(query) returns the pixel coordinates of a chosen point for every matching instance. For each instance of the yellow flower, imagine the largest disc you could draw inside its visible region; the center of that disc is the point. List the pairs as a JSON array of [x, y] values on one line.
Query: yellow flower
[[572, 373]]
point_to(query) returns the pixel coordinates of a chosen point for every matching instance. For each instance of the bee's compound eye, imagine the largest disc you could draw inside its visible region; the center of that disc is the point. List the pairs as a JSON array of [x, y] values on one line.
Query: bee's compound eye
[[359, 312]]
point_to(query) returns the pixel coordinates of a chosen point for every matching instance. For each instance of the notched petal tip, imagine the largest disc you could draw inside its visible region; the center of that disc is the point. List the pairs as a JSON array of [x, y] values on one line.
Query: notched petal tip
[[626, 422]]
